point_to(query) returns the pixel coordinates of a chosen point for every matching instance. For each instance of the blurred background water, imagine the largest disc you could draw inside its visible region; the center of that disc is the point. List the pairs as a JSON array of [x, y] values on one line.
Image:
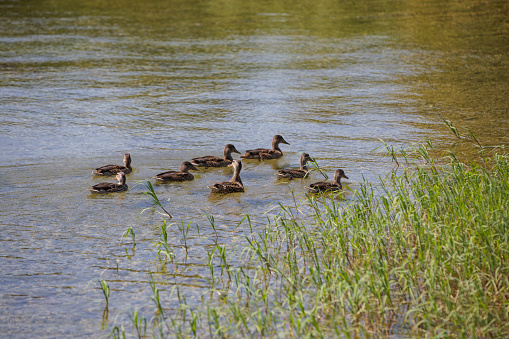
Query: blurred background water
[[82, 83]]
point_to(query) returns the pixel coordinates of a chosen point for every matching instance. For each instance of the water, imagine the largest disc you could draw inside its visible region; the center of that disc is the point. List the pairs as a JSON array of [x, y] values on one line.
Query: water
[[83, 83]]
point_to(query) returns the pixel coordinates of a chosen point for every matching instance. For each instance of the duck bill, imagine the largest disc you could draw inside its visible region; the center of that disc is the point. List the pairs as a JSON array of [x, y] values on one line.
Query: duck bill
[[284, 142], [234, 150], [344, 176]]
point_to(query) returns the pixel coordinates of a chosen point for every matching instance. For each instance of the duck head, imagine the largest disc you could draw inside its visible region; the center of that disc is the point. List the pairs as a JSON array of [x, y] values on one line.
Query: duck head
[[338, 175], [236, 164], [186, 166], [278, 139], [228, 150], [121, 178], [127, 160]]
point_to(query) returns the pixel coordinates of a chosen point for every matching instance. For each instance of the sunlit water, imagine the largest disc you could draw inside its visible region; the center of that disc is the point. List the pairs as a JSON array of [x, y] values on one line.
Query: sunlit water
[[83, 84]]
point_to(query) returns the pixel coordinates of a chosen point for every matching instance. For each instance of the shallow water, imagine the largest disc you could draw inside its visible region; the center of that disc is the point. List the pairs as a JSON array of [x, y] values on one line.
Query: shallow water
[[83, 83]]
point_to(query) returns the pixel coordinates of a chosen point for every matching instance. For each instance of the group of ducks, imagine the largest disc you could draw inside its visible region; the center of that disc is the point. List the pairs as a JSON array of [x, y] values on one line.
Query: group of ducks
[[234, 185]]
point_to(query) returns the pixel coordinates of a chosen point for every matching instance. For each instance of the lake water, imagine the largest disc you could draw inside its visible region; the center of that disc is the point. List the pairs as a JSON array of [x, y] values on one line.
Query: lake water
[[82, 83]]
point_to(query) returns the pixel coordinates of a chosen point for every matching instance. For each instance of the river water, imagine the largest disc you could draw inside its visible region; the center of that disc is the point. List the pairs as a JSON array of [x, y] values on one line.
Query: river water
[[83, 82]]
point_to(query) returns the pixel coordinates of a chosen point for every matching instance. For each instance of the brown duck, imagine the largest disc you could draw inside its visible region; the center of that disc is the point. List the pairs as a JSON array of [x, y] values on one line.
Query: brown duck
[[211, 161], [264, 153], [296, 173], [114, 169], [328, 186], [182, 175], [234, 185], [108, 187]]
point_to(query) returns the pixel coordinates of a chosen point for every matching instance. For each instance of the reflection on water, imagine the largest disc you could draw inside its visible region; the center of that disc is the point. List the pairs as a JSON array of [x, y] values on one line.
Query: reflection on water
[[84, 82]]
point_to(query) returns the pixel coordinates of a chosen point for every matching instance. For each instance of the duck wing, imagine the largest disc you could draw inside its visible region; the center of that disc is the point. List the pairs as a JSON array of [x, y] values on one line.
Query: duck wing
[[269, 154], [174, 176], [226, 187], [167, 173], [206, 160], [255, 153], [111, 169], [219, 185], [323, 186], [105, 187], [291, 173]]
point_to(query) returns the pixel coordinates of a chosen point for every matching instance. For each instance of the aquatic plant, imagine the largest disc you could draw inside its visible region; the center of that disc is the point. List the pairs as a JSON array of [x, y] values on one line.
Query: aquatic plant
[[315, 167], [163, 247], [184, 230], [106, 291], [139, 323], [423, 252], [128, 232], [155, 200]]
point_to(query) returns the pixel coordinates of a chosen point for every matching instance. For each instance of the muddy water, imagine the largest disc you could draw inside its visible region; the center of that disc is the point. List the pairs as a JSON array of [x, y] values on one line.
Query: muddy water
[[84, 82]]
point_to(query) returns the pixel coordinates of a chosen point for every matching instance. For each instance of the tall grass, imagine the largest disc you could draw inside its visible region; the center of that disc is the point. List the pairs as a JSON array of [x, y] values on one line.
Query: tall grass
[[424, 252]]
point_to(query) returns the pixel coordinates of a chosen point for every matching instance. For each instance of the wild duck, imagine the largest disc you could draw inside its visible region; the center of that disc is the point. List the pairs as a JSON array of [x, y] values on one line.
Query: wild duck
[[211, 161], [182, 175], [114, 169], [293, 172], [234, 185], [328, 186], [108, 187], [264, 153]]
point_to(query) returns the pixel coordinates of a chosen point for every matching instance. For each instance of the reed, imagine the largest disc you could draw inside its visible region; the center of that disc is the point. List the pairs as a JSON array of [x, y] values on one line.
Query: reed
[[317, 168], [164, 248], [155, 200], [423, 252], [184, 230], [139, 323], [106, 291], [128, 232]]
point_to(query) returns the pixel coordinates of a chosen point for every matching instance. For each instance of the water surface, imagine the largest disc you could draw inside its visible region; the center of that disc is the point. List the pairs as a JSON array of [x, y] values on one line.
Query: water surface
[[84, 82]]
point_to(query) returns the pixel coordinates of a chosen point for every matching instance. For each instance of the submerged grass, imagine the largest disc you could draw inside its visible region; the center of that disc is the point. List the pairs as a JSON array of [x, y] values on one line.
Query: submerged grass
[[422, 253]]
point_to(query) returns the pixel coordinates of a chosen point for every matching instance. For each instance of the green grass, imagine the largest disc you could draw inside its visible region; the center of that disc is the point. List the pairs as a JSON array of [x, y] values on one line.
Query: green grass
[[106, 291], [424, 252]]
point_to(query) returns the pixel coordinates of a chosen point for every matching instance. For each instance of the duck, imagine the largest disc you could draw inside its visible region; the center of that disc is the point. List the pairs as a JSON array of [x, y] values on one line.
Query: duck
[[109, 187], [296, 173], [266, 154], [183, 175], [328, 186], [211, 161], [114, 169], [235, 183]]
